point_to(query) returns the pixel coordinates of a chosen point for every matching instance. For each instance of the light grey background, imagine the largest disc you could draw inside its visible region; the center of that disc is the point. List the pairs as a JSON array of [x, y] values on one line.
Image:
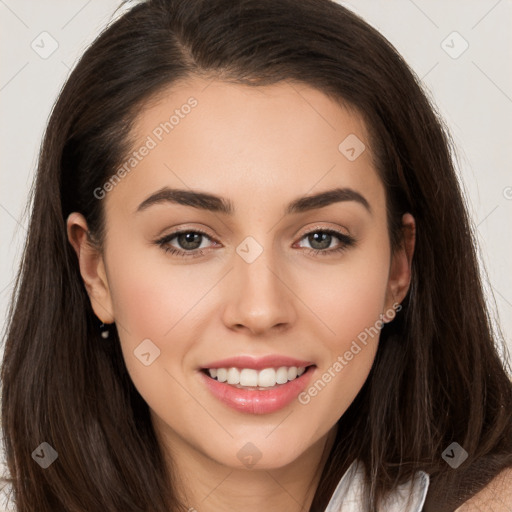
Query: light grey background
[[473, 93]]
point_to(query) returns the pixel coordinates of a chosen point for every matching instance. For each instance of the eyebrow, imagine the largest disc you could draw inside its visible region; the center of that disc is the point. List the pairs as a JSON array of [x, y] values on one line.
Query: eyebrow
[[213, 203]]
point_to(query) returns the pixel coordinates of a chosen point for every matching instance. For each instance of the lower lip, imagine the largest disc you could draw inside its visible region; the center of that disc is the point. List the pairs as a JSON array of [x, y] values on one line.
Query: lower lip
[[255, 401]]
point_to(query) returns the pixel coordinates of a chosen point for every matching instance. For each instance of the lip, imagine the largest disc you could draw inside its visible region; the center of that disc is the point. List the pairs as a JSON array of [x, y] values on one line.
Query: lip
[[254, 401], [257, 363]]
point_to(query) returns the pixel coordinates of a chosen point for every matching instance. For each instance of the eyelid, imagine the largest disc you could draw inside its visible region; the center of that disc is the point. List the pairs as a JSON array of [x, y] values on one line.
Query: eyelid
[[301, 234], [319, 227], [187, 229]]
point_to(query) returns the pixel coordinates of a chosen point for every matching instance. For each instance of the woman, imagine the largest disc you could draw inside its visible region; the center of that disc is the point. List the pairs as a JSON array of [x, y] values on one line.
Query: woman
[[250, 279]]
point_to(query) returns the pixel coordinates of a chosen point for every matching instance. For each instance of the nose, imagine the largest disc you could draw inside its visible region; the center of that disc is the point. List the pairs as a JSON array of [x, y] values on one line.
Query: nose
[[259, 300]]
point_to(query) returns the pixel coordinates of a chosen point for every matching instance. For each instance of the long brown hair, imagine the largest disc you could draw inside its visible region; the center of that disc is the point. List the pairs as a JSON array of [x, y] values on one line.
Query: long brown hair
[[437, 377]]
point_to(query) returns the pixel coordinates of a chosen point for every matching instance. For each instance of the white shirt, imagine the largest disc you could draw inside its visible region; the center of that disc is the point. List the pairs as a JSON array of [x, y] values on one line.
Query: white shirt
[[347, 496]]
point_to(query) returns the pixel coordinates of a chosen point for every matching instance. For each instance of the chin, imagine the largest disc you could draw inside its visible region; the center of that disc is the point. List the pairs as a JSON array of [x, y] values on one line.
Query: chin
[[260, 453]]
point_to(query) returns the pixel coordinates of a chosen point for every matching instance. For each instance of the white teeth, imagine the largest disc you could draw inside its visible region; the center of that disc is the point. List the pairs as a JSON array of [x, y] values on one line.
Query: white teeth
[[248, 377], [233, 376], [292, 372], [282, 375], [266, 378]]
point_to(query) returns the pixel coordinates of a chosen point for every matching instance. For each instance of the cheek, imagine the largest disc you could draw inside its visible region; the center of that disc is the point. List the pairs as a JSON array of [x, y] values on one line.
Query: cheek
[[151, 301], [350, 297], [149, 295], [165, 303]]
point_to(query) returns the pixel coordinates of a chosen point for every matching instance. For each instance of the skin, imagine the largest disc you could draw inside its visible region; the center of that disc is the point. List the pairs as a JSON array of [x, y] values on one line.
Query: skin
[[495, 497], [261, 148]]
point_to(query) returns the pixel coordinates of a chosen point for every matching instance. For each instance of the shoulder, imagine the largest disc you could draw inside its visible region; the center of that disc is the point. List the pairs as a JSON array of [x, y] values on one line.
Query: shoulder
[[496, 496]]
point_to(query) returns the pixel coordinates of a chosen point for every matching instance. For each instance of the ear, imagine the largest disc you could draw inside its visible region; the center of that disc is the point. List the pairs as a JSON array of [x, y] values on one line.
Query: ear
[[92, 267], [401, 263]]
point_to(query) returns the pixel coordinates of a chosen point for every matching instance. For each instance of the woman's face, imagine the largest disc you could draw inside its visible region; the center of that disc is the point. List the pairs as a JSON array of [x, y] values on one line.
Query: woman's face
[[264, 272]]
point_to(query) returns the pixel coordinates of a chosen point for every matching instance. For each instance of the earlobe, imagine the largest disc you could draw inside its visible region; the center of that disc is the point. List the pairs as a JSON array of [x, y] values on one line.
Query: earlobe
[[401, 263], [92, 267]]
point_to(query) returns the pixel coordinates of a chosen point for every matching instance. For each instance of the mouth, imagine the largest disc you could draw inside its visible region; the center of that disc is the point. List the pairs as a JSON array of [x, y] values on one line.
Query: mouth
[[260, 380], [254, 391]]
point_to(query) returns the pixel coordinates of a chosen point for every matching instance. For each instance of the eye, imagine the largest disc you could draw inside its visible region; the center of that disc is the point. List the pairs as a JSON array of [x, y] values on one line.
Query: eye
[[190, 242], [320, 241]]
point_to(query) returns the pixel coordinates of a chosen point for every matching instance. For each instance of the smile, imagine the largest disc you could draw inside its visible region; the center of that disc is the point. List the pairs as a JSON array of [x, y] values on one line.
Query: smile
[[257, 392], [248, 378]]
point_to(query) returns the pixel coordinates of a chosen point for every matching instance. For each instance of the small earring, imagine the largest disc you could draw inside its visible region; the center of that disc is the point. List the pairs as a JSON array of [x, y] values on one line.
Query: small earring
[[105, 333]]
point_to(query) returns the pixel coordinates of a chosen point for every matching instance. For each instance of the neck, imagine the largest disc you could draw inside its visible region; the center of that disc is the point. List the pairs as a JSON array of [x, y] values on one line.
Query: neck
[[208, 486]]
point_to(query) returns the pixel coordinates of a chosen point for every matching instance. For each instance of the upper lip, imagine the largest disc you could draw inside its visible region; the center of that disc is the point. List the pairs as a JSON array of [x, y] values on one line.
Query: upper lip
[[257, 363]]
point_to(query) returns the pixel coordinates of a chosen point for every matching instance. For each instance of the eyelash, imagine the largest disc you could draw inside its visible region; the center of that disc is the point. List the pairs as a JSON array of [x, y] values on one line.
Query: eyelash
[[346, 241]]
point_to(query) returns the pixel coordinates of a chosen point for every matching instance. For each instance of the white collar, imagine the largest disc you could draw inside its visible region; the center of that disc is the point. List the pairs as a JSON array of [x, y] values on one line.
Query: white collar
[[347, 496]]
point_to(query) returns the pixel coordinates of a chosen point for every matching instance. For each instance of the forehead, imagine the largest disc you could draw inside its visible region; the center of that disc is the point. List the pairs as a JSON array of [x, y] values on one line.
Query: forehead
[[223, 138]]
